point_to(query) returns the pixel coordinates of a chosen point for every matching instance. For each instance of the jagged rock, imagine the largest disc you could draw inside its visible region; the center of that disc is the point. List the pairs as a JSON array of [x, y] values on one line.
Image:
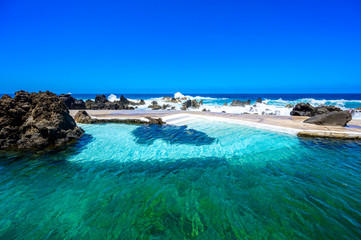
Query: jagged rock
[[303, 109], [225, 104], [170, 99], [141, 102], [71, 102], [204, 110], [35, 121], [335, 118], [101, 99], [124, 101], [240, 103], [89, 104], [259, 100], [201, 102], [289, 106], [223, 111], [190, 104], [155, 106], [82, 117]]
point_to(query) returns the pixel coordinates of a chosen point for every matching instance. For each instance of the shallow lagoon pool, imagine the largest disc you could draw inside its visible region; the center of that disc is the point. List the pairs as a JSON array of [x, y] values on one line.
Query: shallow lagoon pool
[[206, 180]]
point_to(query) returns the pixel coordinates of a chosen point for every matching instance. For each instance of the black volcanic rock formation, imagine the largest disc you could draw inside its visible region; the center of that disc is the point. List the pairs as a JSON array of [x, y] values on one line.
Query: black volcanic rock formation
[[306, 109], [71, 102], [35, 121]]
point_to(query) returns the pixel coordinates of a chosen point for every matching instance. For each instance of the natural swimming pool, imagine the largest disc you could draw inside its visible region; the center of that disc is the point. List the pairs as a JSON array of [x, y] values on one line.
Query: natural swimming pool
[[207, 180]]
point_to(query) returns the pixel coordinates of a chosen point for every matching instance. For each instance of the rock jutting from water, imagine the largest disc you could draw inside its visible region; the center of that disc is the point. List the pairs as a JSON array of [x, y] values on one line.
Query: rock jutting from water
[[35, 121], [191, 104], [100, 103], [239, 103]]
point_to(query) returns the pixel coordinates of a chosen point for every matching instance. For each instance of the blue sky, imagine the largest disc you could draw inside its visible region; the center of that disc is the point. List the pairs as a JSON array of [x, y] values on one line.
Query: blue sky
[[189, 46]]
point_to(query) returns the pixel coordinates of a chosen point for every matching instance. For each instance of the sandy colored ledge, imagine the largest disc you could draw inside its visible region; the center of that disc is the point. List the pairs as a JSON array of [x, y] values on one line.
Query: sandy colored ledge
[[285, 124]]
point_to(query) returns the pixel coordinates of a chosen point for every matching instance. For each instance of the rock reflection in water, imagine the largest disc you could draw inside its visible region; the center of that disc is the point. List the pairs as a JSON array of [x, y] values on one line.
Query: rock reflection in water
[[147, 134]]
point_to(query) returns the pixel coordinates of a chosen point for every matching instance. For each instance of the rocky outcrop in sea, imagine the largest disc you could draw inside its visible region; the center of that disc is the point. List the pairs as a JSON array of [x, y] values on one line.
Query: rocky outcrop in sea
[[35, 121], [240, 103], [306, 109], [191, 104], [100, 103]]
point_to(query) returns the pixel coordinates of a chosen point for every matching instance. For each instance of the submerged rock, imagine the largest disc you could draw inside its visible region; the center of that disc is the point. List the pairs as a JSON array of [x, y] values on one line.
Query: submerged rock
[[35, 121], [335, 118], [147, 134]]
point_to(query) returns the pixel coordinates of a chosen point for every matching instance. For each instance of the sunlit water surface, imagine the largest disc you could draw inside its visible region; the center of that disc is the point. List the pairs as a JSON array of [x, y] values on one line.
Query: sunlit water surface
[[204, 181]]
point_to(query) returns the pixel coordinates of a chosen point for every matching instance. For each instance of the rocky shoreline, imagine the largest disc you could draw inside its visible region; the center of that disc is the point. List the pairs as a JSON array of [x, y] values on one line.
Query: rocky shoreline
[[40, 120]]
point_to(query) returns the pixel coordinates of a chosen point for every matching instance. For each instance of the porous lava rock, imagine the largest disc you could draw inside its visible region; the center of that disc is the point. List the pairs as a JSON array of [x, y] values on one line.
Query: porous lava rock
[[35, 121]]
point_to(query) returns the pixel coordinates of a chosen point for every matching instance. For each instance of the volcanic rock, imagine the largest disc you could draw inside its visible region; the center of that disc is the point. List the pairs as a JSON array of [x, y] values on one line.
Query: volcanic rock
[[335, 118], [35, 121], [303, 109], [71, 102], [190, 104], [240, 103]]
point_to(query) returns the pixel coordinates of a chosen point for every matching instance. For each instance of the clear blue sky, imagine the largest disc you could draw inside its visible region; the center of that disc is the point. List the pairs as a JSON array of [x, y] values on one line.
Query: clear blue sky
[[188, 46]]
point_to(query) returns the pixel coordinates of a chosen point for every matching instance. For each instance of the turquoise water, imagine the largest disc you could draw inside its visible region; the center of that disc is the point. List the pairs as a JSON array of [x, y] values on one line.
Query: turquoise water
[[204, 181]]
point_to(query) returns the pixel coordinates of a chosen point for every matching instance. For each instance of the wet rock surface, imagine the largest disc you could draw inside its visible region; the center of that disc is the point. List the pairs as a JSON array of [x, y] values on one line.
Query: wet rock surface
[[35, 121]]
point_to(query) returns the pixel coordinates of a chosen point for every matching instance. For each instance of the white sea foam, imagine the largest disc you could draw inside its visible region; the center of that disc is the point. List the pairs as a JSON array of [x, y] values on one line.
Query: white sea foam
[[112, 98], [267, 107]]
